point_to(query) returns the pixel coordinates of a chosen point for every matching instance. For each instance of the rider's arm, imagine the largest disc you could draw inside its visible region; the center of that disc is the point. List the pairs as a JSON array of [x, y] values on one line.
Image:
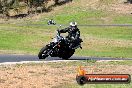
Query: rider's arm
[[64, 30], [77, 34]]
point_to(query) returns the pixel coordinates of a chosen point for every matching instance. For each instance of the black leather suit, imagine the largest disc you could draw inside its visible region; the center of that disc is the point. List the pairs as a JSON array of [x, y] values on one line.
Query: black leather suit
[[73, 34]]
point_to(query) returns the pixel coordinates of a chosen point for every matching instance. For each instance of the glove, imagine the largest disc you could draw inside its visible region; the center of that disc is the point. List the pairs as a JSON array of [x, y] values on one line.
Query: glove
[[58, 30]]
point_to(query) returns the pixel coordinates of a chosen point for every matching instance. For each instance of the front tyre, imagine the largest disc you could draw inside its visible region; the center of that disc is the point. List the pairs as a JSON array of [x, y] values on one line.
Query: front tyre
[[43, 52], [68, 54]]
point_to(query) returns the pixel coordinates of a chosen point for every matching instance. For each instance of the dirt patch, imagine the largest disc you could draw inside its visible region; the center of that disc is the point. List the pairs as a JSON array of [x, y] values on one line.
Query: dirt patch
[[47, 76], [117, 6], [121, 8], [40, 76]]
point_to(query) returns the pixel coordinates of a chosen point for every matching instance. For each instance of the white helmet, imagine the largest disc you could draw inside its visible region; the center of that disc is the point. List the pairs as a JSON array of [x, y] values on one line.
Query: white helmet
[[73, 23]]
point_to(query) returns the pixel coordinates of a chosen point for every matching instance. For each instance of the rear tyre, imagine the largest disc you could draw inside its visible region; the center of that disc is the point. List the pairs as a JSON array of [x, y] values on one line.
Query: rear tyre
[[43, 52], [68, 54]]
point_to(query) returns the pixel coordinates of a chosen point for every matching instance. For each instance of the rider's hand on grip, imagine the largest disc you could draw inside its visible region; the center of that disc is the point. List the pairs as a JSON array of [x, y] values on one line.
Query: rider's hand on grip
[[58, 31]]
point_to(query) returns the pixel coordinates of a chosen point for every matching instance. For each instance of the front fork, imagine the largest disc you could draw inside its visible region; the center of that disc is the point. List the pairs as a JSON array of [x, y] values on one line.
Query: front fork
[[52, 47]]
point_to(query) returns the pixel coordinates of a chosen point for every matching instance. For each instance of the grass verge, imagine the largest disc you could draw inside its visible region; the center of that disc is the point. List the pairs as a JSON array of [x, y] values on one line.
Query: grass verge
[[24, 35]]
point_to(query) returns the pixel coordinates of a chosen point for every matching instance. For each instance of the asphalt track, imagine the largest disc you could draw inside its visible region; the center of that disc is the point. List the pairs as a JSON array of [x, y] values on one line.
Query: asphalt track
[[19, 58]]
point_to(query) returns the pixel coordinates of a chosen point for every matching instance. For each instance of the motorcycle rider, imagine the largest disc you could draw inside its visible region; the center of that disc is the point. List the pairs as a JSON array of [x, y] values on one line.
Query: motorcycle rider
[[51, 22], [73, 34]]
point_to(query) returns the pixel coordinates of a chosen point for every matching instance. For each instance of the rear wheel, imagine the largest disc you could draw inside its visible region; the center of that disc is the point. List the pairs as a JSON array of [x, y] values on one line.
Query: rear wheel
[[68, 54], [43, 52]]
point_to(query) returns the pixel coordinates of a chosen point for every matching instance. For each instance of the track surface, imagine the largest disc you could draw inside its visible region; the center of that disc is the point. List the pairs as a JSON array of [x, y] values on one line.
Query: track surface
[[19, 58]]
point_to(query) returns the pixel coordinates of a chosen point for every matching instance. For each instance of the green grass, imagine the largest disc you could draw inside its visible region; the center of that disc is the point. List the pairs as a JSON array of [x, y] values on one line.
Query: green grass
[[97, 86], [82, 63], [108, 32], [20, 39], [111, 52], [123, 19], [29, 38], [78, 16], [73, 63], [126, 62], [23, 39]]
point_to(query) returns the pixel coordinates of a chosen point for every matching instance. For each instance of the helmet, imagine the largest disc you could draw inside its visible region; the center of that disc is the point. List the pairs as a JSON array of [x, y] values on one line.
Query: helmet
[[73, 24]]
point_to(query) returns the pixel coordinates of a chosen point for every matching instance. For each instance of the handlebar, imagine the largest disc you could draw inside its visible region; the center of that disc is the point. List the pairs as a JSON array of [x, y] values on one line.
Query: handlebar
[[58, 35], [58, 32]]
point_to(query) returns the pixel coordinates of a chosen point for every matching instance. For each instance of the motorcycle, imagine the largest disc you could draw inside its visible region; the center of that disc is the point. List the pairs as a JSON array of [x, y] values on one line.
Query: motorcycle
[[59, 47]]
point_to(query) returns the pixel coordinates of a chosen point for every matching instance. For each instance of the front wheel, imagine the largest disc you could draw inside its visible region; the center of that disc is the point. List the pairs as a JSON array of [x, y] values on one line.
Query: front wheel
[[43, 53], [68, 54]]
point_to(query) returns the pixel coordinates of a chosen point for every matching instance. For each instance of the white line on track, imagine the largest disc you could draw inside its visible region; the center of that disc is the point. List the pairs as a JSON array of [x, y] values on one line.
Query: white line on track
[[25, 62]]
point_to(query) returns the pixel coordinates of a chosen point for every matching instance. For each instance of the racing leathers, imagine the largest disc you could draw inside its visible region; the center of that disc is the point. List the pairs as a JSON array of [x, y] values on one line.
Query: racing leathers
[[73, 35]]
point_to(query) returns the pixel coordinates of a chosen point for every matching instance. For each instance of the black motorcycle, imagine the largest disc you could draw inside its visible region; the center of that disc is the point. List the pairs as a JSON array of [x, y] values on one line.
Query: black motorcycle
[[59, 47]]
